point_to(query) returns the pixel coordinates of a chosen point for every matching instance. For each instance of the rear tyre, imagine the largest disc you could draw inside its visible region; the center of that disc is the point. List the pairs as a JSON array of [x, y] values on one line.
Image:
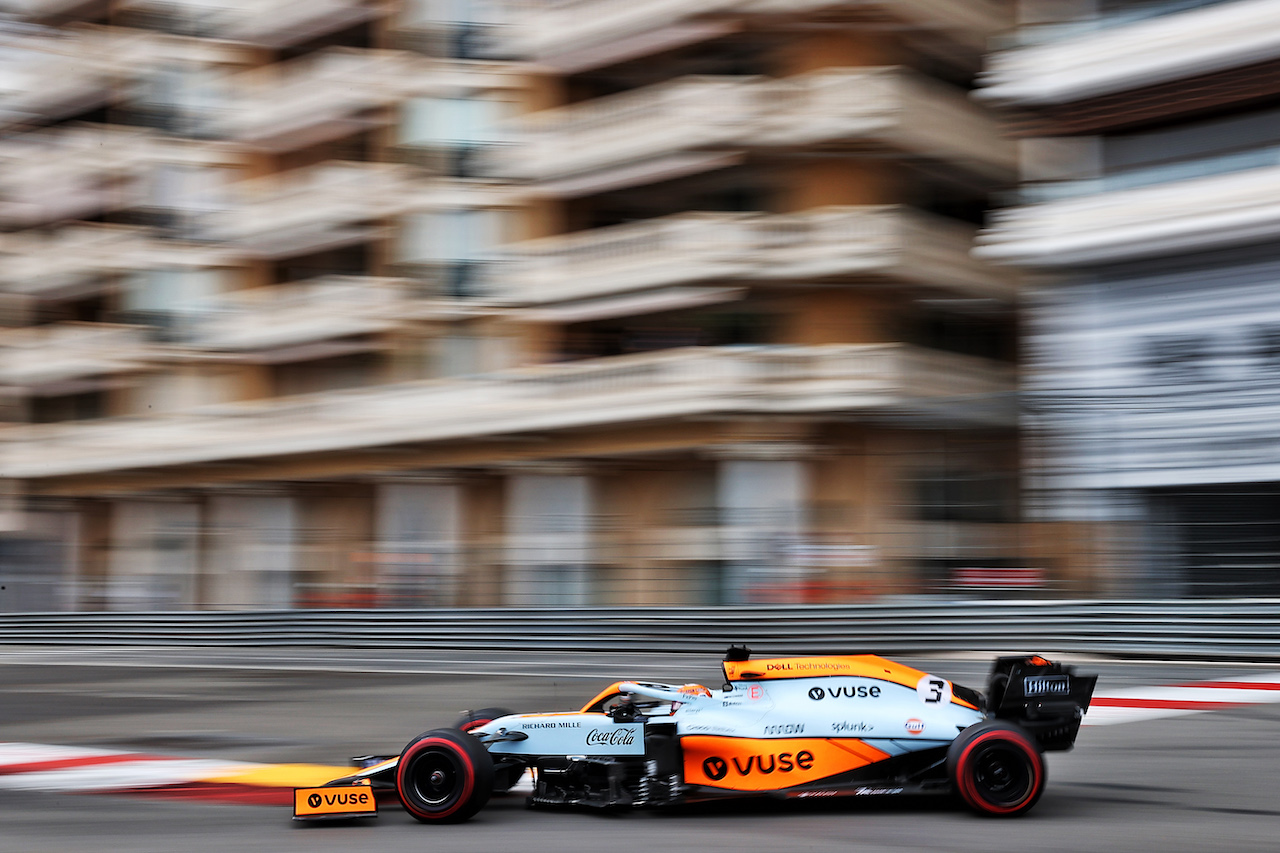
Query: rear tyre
[[997, 768], [444, 776]]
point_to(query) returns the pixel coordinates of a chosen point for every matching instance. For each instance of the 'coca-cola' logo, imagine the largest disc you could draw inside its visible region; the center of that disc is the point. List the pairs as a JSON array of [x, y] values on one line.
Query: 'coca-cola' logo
[[611, 737]]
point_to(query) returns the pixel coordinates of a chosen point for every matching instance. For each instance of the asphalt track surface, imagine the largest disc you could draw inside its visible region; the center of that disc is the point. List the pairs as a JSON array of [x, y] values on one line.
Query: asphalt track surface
[[1202, 782]]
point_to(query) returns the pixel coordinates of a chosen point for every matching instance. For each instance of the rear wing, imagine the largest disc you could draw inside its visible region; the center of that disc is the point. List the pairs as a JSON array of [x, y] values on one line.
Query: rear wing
[[1047, 699]]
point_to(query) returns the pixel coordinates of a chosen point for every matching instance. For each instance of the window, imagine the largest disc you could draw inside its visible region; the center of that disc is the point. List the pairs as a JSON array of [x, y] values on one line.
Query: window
[[470, 23], [966, 495], [452, 244], [461, 127]]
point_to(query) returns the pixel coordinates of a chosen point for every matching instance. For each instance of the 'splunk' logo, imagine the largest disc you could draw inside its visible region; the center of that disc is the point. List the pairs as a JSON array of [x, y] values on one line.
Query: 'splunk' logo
[[850, 727]]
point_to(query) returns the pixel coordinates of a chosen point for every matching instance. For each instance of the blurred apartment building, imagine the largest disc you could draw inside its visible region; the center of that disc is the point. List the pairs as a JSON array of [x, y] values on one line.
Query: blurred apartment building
[[1149, 210], [366, 303]]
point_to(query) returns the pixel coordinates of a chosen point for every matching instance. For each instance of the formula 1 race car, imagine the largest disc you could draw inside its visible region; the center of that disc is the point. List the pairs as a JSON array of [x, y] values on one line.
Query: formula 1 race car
[[785, 727]]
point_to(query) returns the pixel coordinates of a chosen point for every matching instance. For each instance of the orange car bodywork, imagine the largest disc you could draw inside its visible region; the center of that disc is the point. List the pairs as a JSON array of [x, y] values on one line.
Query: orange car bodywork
[[750, 764]]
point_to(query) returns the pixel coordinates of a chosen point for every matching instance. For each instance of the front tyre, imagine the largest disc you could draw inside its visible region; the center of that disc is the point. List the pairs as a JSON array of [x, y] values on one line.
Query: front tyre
[[504, 777], [444, 776], [997, 768], [475, 719]]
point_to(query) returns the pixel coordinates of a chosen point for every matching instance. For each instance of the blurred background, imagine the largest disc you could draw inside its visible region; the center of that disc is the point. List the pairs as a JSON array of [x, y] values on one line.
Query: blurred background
[[402, 303]]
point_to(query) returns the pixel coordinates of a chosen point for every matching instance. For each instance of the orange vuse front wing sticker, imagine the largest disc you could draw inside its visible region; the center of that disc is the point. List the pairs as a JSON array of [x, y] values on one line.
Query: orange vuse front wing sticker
[[334, 801]]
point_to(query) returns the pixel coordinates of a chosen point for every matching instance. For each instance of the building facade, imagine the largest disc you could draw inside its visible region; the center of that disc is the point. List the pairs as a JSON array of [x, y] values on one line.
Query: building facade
[[370, 303], [1148, 214]]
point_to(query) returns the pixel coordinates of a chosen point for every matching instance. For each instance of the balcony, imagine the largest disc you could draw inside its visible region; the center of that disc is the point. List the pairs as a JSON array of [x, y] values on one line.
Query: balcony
[[580, 34], [280, 23], [686, 115], [1133, 56], [287, 315], [59, 358], [694, 123], [37, 264], [675, 250], [1170, 218], [733, 248], [70, 174], [39, 9], [892, 109], [321, 96], [308, 210], [77, 256], [72, 71], [84, 170], [886, 241], [268, 23], [884, 379]]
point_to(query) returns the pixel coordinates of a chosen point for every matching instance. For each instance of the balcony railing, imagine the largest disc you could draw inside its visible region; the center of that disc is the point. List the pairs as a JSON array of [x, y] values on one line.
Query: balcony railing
[[83, 170], [1144, 53], [269, 23], [31, 262], [279, 23], [42, 355], [70, 174], [877, 108], [893, 107], [1175, 217], [688, 114], [680, 383], [682, 249], [37, 8], [692, 248], [320, 95], [291, 314], [545, 30], [884, 240], [73, 71], [291, 213]]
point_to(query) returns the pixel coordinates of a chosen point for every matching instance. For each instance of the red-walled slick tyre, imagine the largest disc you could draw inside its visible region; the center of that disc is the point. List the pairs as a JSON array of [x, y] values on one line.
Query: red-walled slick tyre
[[503, 777], [474, 719], [997, 768], [444, 776]]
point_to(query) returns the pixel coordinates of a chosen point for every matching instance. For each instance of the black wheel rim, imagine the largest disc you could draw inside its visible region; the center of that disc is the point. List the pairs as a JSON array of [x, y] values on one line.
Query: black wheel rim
[[1002, 774], [435, 778]]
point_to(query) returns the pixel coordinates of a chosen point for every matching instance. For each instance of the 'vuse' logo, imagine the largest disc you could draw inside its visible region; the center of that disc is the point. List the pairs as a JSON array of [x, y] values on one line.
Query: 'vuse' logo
[[847, 691], [717, 768]]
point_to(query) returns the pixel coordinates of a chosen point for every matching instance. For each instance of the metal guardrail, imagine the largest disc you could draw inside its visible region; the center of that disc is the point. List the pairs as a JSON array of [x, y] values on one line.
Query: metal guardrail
[[1216, 629]]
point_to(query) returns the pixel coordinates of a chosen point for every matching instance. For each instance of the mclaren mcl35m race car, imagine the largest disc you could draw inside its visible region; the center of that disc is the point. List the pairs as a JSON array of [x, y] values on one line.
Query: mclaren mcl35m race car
[[784, 727]]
